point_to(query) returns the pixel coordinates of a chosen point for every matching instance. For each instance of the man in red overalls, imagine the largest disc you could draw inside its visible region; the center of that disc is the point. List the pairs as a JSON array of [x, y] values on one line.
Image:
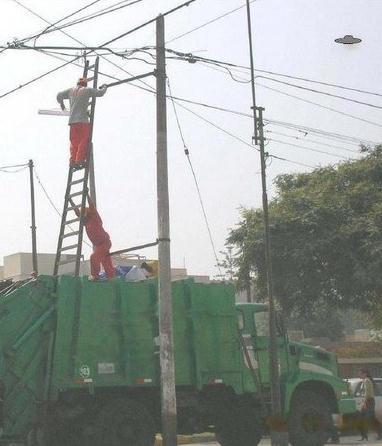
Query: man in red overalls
[[79, 98], [101, 243]]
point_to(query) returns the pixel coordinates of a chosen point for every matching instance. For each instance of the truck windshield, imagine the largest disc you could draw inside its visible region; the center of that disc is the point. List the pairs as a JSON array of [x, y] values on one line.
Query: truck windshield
[[262, 323]]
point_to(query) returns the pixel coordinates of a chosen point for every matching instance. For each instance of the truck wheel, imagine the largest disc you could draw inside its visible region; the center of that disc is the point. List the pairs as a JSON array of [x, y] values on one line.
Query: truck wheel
[[309, 420], [125, 423], [243, 426]]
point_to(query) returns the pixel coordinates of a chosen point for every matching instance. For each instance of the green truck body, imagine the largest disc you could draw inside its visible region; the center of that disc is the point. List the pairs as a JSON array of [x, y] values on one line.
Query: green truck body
[[79, 364]]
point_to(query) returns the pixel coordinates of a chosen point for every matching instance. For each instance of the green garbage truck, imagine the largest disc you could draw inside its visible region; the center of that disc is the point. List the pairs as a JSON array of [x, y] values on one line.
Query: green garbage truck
[[79, 365]]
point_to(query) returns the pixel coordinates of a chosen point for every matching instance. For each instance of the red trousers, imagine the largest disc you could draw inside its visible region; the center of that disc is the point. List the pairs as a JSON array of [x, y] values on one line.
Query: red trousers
[[79, 139], [100, 255]]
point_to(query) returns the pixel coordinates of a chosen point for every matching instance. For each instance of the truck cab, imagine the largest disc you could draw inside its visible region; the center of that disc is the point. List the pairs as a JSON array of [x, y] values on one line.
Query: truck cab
[[310, 386]]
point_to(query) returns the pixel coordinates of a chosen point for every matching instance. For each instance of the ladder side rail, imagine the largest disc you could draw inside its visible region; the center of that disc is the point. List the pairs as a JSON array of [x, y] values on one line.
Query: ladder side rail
[[87, 164], [81, 226], [63, 220]]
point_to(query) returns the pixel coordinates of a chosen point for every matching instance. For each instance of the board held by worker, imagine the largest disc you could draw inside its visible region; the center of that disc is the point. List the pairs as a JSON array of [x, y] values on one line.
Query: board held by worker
[[79, 97]]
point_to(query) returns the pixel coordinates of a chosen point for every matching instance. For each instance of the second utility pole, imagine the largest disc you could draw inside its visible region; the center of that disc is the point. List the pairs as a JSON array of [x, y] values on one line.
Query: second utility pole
[[33, 219], [279, 435], [168, 396]]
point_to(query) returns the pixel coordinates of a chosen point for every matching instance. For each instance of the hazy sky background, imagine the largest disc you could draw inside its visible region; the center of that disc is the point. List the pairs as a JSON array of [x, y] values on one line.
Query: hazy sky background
[[293, 37]]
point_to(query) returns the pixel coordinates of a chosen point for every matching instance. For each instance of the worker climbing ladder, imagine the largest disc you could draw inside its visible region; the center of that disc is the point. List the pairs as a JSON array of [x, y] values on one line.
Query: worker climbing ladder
[[76, 196]]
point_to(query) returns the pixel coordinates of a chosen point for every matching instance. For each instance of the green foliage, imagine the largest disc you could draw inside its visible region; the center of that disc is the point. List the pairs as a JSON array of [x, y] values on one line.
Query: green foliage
[[326, 238]]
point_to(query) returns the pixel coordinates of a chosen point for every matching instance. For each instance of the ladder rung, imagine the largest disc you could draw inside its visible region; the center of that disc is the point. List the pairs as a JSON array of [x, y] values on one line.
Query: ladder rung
[[64, 262], [68, 247], [70, 234], [81, 180], [76, 194], [74, 220]]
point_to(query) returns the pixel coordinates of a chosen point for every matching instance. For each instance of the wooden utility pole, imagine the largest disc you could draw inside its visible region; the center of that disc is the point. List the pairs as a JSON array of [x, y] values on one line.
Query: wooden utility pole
[[277, 438], [33, 219], [168, 395]]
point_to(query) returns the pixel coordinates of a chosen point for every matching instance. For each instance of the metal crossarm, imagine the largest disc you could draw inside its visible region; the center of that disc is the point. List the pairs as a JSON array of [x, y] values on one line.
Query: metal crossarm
[[76, 189]]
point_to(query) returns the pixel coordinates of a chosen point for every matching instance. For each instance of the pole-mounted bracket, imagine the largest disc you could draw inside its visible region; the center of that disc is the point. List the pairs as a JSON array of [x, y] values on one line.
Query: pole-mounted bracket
[[131, 79]]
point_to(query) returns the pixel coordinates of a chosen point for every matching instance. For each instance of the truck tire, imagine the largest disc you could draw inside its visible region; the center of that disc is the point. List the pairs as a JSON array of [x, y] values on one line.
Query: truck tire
[[125, 422], [241, 426], [310, 420]]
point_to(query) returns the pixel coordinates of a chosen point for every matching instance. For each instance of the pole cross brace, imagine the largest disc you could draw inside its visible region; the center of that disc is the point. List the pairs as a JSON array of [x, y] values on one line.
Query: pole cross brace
[[131, 79]]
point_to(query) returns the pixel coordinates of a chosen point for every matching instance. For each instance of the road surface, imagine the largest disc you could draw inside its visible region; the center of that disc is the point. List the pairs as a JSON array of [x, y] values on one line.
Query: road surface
[[347, 441]]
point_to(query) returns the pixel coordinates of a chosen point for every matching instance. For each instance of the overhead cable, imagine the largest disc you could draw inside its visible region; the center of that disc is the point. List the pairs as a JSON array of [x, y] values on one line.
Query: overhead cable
[[238, 138], [81, 20], [192, 58], [308, 148], [298, 138], [320, 92], [320, 105], [206, 62], [208, 23], [187, 153]]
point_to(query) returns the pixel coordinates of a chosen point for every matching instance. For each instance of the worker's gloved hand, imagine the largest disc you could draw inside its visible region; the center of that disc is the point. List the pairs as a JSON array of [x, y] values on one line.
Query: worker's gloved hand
[[63, 107]]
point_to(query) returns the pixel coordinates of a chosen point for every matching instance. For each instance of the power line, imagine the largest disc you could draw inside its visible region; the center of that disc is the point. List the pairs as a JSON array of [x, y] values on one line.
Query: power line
[[312, 141], [238, 138], [320, 105], [308, 148], [53, 24], [81, 20], [320, 132], [208, 23], [321, 92], [206, 62], [13, 166], [192, 59], [187, 153], [3, 95]]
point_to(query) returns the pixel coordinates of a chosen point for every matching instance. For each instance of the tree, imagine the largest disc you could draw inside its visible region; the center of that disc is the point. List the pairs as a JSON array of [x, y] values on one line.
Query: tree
[[326, 238]]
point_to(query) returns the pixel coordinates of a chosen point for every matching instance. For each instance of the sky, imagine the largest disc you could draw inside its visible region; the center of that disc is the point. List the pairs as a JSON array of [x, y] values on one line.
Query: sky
[[292, 37]]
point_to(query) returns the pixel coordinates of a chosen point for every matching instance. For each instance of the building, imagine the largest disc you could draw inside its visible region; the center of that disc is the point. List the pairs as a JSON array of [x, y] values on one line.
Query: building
[[18, 266]]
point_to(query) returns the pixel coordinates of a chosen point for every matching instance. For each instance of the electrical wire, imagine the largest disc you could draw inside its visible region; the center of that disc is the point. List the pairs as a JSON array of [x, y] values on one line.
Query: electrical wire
[[53, 24], [14, 166], [3, 95], [320, 105], [206, 62], [320, 132], [238, 138], [321, 92], [308, 148], [208, 23], [187, 153], [91, 16], [312, 141], [193, 59], [13, 171]]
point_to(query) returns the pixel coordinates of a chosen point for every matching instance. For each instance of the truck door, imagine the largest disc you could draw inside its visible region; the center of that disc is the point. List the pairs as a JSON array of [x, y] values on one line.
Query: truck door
[[261, 345]]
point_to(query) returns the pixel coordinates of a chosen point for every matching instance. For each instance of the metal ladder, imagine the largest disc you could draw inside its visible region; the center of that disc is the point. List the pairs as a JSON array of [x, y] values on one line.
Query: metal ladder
[[72, 226]]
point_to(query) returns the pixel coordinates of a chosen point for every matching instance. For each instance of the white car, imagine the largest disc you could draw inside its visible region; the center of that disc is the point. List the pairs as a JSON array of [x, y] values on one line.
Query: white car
[[355, 385], [349, 422]]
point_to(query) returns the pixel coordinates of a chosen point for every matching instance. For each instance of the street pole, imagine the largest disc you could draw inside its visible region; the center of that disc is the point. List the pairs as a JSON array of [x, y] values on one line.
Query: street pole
[[255, 130], [167, 366], [33, 218], [278, 438]]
